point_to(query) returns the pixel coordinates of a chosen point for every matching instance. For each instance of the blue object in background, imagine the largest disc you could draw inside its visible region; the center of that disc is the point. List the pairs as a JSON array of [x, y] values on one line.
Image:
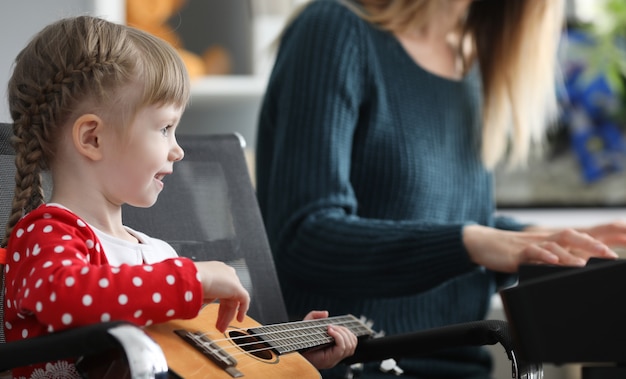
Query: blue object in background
[[588, 102]]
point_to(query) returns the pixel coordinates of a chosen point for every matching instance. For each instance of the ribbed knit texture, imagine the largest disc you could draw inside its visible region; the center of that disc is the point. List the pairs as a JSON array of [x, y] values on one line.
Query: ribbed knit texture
[[367, 170]]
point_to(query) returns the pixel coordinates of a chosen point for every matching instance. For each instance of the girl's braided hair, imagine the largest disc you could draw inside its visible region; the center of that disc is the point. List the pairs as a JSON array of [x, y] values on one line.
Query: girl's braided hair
[[75, 66]]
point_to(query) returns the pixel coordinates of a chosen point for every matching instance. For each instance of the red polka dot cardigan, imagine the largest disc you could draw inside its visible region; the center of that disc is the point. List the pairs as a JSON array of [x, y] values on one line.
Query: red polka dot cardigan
[[57, 276]]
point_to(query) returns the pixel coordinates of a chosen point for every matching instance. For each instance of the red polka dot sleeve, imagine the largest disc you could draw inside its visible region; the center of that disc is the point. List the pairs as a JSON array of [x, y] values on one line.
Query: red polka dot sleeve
[[57, 277]]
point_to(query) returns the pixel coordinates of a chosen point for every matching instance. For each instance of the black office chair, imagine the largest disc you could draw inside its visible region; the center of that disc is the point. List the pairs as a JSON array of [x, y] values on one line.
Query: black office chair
[[208, 211]]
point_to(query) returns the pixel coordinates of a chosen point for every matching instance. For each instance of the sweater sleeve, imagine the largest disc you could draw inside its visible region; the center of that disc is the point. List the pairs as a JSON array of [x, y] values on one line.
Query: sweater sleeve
[[509, 223], [306, 130], [58, 273]]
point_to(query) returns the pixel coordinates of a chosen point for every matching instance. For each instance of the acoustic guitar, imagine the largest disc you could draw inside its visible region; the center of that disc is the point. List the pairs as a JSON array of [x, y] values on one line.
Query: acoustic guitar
[[195, 349]]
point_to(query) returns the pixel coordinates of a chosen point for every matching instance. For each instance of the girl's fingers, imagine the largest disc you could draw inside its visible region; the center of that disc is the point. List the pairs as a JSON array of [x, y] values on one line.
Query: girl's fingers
[[314, 315], [345, 340], [228, 310]]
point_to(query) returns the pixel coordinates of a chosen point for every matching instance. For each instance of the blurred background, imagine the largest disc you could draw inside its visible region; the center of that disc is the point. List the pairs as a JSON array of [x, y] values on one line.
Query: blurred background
[[229, 47], [579, 179], [232, 39], [584, 162]]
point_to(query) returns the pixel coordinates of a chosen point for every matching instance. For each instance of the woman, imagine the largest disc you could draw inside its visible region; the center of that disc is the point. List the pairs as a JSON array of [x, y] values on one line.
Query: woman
[[377, 139]]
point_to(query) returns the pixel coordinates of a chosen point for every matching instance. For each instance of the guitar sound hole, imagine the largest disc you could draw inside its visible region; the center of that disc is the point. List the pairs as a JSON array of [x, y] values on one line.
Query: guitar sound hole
[[251, 345]]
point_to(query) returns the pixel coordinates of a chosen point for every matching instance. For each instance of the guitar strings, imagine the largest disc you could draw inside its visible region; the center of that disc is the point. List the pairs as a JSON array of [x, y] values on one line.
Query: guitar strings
[[283, 330], [302, 325], [317, 331], [309, 324]]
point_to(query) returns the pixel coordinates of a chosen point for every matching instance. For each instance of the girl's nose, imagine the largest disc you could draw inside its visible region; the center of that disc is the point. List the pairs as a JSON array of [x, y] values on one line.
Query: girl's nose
[[176, 153]]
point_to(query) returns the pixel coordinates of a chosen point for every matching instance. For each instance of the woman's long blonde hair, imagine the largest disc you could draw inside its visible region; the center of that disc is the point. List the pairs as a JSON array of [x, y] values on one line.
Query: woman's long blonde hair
[[515, 43], [82, 65]]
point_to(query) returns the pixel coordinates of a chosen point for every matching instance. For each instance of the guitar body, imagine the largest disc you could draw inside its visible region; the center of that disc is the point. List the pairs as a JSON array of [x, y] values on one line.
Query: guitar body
[[189, 363]]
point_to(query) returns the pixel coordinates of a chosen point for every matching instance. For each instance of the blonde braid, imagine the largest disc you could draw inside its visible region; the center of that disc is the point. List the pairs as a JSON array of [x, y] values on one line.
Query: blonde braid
[[29, 136], [44, 90], [28, 189]]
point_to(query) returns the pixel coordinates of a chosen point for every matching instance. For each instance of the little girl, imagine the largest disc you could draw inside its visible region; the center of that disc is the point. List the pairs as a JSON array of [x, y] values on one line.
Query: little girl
[[97, 104]]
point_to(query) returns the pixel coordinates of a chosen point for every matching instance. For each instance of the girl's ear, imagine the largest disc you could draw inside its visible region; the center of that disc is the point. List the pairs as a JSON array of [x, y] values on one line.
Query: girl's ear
[[87, 136]]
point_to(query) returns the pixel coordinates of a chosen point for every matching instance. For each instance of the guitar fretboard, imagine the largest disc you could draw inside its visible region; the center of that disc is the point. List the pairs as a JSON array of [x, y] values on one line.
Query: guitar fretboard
[[302, 335]]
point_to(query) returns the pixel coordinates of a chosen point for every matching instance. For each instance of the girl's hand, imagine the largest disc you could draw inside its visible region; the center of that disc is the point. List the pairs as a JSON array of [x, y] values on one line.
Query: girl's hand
[[220, 281], [345, 344]]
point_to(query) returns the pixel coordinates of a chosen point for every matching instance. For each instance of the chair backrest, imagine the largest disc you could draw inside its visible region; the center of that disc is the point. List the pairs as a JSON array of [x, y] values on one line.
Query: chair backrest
[[208, 211], [7, 175]]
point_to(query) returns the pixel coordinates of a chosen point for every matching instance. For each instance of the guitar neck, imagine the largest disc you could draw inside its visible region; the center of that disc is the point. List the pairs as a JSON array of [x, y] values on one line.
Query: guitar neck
[[303, 335]]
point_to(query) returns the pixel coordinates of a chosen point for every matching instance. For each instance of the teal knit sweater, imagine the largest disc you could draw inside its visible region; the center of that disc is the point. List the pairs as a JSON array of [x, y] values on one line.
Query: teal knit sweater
[[368, 168]]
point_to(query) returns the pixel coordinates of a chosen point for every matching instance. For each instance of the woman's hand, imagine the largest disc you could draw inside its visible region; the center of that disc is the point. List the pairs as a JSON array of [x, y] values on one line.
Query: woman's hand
[[504, 251], [612, 234], [345, 344]]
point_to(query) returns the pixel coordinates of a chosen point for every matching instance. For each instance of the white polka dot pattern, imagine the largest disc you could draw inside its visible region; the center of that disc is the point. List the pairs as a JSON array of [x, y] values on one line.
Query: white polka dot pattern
[[156, 297], [122, 299]]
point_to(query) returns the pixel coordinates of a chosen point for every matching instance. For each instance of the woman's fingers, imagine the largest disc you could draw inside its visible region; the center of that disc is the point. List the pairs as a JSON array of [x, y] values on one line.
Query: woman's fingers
[[612, 233], [582, 245], [563, 255], [542, 252], [567, 247]]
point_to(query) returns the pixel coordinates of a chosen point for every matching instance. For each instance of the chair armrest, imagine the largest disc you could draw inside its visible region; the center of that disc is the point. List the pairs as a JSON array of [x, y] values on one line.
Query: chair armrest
[[426, 342], [145, 357]]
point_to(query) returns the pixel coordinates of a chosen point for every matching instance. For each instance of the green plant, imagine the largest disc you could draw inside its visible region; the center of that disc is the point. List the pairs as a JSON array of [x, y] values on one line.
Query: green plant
[[610, 33]]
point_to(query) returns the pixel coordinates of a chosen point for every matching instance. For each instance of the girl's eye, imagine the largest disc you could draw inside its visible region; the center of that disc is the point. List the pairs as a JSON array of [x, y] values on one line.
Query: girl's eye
[[165, 131]]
